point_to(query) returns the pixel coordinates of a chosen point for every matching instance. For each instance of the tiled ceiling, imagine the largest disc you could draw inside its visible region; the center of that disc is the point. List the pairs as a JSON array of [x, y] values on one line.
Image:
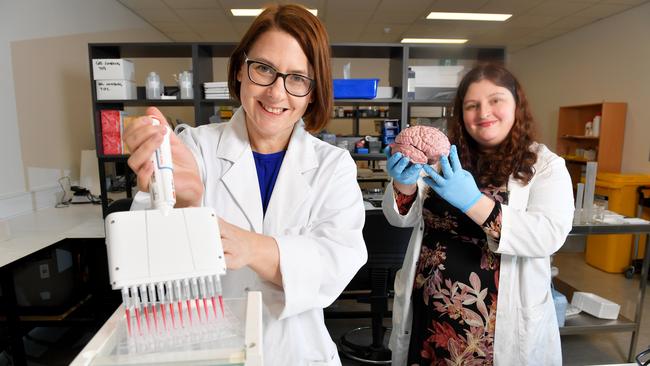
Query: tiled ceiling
[[387, 21]]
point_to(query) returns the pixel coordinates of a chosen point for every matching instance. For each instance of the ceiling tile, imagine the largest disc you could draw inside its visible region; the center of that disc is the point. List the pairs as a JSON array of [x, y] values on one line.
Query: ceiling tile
[[570, 23], [219, 32], [376, 33], [142, 4], [516, 7], [162, 14], [349, 17], [558, 8], [602, 11], [457, 6], [344, 32], [201, 15], [184, 36], [530, 20], [193, 4], [170, 26], [624, 2], [401, 11]]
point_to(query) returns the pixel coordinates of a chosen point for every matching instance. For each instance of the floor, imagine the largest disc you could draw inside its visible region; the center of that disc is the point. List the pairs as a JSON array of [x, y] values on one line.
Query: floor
[[58, 346], [592, 349]]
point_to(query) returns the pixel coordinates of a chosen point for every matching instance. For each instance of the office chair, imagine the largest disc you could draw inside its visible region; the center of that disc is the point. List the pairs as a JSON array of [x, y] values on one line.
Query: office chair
[[386, 246]]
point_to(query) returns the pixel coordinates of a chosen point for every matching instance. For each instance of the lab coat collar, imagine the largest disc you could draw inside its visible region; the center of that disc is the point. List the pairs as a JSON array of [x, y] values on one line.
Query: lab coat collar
[[290, 189]]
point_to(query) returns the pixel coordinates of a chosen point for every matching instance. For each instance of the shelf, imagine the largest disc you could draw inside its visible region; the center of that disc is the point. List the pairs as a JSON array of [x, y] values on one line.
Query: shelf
[[229, 102], [356, 102], [379, 156], [575, 159], [149, 102], [579, 137], [113, 158], [582, 322], [430, 103]]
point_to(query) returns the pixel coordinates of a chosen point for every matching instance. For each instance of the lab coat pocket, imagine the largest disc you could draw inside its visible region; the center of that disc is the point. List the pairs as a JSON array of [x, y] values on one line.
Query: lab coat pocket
[[537, 331]]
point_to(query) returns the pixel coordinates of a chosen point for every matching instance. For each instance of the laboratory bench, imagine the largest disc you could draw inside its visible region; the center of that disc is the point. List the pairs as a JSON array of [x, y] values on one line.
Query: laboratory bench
[[41, 261]]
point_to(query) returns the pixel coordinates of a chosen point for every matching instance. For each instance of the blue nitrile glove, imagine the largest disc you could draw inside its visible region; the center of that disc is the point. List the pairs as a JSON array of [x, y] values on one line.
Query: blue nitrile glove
[[400, 168], [455, 185]]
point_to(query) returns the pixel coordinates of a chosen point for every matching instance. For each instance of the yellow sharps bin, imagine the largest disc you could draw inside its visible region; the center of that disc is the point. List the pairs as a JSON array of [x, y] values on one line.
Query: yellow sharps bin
[[613, 253]]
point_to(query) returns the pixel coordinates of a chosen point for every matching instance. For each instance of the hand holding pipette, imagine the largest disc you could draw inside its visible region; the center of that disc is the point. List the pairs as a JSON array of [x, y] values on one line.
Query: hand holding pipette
[[142, 138]]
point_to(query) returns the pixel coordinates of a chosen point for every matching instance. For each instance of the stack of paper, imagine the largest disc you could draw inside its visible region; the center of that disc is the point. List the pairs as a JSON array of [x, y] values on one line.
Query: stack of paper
[[216, 90]]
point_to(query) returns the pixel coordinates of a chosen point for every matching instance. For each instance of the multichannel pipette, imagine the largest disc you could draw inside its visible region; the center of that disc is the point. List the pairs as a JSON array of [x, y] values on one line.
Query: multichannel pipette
[[165, 255]]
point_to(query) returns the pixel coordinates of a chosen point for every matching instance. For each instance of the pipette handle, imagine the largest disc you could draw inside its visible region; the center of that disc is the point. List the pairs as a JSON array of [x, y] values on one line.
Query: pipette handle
[[161, 187]]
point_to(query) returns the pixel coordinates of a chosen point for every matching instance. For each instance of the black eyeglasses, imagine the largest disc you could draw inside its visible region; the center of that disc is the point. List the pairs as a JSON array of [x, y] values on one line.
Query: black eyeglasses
[[264, 75]]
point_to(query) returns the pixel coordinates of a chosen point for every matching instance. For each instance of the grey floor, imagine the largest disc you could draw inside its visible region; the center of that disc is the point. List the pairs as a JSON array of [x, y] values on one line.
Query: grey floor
[[592, 349]]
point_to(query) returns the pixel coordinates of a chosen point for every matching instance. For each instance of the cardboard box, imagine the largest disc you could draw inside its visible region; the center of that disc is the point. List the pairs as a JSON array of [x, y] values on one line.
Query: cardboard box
[[116, 90], [111, 132], [437, 76], [113, 69], [595, 305]]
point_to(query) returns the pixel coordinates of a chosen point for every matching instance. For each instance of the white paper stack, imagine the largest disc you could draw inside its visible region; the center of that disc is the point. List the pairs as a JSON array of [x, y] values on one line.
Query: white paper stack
[[216, 90]]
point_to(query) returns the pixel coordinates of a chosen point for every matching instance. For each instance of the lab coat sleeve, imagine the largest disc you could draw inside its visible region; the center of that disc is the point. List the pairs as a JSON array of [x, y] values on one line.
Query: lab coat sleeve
[[540, 229], [391, 211], [318, 263], [190, 138]]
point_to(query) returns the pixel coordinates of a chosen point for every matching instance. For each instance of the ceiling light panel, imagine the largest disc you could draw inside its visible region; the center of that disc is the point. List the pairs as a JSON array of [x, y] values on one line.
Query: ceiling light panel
[[256, 12], [434, 40], [469, 16]]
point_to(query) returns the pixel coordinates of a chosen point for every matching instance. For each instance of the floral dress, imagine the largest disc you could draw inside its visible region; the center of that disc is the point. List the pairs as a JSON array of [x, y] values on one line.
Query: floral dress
[[456, 284]]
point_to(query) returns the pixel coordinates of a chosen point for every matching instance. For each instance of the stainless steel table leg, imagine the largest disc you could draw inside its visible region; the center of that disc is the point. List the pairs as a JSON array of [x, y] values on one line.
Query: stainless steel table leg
[[639, 303]]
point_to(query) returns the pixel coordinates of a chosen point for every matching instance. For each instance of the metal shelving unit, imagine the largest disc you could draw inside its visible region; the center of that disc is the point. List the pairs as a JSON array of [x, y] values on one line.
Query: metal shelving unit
[[585, 323]]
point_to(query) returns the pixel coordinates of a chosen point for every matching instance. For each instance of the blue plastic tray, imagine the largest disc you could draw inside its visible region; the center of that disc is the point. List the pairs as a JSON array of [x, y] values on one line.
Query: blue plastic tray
[[355, 88]]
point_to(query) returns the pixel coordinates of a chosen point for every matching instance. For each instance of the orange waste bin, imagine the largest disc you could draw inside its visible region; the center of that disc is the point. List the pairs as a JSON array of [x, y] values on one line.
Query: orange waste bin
[[613, 253]]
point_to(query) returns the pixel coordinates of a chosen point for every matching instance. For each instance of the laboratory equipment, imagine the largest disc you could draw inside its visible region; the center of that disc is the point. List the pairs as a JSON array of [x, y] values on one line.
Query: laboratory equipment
[[158, 257], [154, 86], [235, 339]]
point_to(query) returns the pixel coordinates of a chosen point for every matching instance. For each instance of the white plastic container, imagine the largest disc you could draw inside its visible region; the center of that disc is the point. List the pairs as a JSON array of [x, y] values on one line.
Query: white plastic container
[[385, 92], [595, 126], [185, 85], [116, 90], [113, 69], [595, 305]]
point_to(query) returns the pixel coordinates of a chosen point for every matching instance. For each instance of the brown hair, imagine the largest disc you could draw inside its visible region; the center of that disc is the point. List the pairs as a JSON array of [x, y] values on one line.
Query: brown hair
[[513, 156], [310, 33]]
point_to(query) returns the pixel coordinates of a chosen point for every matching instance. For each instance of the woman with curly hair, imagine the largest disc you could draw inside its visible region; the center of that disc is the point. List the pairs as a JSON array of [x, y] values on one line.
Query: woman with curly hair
[[475, 287]]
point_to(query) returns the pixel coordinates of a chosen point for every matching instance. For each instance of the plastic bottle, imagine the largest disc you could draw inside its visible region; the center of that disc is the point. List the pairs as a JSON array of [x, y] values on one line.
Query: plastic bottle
[[185, 85], [154, 86], [595, 126], [411, 84]]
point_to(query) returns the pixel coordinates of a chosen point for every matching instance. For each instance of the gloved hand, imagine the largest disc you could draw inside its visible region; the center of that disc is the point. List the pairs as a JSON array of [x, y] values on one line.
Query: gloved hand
[[455, 185], [400, 168]]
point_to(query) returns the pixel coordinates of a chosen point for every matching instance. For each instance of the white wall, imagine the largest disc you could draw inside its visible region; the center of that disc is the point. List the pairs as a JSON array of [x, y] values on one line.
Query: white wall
[[606, 61], [33, 19]]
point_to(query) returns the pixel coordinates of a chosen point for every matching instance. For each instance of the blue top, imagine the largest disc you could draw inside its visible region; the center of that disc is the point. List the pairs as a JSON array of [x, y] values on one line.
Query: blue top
[[268, 167]]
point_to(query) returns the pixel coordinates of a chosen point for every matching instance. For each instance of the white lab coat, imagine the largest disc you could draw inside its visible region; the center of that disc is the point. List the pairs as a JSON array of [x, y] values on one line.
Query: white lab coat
[[315, 214], [535, 224]]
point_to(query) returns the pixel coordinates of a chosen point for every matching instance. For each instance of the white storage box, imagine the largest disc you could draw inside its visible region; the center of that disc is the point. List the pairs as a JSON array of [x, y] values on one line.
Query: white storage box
[[116, 90], [437, 76], [113, 69], [385, 92], [595, 305]]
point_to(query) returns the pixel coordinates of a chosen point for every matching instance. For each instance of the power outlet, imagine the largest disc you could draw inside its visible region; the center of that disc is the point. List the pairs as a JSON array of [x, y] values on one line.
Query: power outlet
[[44, 269]]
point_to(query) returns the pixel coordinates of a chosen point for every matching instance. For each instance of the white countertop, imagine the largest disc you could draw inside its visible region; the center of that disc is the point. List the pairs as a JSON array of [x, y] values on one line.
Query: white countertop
[[37, 230]]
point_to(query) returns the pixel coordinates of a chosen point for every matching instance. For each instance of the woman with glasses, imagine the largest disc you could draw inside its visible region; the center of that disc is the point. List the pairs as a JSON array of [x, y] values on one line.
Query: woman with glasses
[[291, 212]]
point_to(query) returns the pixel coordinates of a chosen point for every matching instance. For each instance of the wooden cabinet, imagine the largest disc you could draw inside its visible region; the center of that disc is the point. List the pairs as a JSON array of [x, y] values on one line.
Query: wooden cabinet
[[577, 148]]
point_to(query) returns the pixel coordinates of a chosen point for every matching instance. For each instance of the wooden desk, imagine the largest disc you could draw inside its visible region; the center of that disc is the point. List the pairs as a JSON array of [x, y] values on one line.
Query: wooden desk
[[33, 232]]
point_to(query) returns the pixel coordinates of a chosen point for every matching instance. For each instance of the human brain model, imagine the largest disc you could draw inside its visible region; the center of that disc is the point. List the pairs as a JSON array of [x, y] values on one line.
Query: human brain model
[[421, 144]]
